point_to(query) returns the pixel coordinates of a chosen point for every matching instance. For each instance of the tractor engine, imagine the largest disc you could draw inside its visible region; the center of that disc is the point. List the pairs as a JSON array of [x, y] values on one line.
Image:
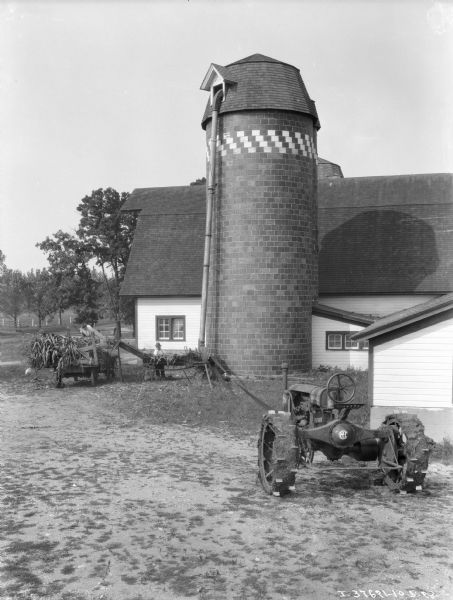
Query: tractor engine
[[321, 425]]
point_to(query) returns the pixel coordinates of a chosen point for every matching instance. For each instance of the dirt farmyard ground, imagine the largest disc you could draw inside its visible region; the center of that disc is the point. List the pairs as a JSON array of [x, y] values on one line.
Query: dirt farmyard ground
[[105, 496]]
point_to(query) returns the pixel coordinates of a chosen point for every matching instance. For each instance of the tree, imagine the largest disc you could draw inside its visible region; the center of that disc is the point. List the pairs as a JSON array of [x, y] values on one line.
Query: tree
[[12, 293], [2, 263], [104, 237], [72, 279], [107, 234], [39, 292], [201, 181]]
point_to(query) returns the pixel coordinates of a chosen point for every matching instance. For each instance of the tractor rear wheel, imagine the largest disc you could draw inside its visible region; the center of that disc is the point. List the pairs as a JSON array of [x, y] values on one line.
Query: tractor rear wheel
[[277, 453], [413, 455], [418, 448]]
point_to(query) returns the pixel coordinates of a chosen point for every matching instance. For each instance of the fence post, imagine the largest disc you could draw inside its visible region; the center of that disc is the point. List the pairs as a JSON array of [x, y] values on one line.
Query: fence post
[[285, 375]]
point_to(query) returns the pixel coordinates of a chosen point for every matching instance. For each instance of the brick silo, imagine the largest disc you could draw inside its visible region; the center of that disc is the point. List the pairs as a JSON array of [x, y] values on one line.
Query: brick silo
[[263, 275]]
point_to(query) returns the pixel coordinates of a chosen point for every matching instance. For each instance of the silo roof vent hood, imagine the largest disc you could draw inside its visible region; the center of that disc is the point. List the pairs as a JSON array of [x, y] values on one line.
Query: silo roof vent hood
[[215, 79]]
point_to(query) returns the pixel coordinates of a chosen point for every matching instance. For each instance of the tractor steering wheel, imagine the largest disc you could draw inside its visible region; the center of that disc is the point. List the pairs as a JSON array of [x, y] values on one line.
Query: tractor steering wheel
[[341, 388]]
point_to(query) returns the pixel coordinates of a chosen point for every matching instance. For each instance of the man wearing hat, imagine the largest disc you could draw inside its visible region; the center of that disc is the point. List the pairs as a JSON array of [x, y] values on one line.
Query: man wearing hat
[[159, 361]]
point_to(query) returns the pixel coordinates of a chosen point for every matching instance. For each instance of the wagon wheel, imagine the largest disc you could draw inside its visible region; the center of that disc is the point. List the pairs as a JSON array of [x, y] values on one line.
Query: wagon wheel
[[59, 374], [277, 453], [411, 448], [112, 368], [341, 388], [58, 379], [94, 376]]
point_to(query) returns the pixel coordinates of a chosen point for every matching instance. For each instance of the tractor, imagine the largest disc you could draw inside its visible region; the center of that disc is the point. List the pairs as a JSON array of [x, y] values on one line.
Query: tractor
[[315, 418]]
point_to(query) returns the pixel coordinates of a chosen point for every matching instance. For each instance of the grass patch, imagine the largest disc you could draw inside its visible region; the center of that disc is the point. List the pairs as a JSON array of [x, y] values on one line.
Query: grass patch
[[12, 345], [443, 452], [176, 400], [224, 406]]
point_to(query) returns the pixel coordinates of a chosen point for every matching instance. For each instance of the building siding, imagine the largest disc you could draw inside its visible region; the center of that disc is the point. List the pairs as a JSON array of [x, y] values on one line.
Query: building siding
[[416, 369], [378, 305], [342, 359], [148, 308]]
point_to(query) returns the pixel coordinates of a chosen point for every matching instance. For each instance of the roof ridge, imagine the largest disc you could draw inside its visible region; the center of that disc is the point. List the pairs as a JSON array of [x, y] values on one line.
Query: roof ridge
[[408, 315], [260, 58], [398, 176]]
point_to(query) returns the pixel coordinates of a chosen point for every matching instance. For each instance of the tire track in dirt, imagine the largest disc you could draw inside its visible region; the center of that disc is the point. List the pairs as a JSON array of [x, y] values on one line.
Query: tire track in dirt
[[98, 505]]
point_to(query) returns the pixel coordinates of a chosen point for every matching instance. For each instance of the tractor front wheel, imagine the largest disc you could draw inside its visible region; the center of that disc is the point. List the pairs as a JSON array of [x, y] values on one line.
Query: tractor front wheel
[[277, 453]]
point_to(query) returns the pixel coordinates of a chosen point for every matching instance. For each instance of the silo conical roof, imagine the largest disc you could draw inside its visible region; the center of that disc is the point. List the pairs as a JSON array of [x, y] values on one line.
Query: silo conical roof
[[259, 82]]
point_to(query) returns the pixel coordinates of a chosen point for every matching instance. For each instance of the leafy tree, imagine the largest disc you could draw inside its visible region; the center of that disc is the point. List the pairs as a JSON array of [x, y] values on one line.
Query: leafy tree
[[87, 305], [2, 263], [201, 181], [72, 279], [39, 292], [12, 299], [127, 305], [104, 236], [107, 234]]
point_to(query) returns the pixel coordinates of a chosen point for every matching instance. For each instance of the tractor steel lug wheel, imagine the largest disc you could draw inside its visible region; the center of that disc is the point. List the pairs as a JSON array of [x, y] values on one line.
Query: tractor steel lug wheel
[[277, 453], [412, 455]]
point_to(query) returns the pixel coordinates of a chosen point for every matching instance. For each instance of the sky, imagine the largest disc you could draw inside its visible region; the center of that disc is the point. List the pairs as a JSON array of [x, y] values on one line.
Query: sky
[[107, 94]]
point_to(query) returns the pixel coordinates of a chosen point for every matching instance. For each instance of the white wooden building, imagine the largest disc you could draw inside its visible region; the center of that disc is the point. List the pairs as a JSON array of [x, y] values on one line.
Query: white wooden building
[[332, 345], [173, 321], [410, 365]]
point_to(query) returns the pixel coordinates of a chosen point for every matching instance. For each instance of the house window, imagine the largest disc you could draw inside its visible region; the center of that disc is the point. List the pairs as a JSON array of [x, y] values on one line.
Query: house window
[[334, 341], [171, 329], [341, 340], [350, 344]]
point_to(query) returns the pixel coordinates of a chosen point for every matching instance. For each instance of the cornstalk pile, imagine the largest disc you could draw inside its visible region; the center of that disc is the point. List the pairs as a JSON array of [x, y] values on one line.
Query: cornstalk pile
[[51, 350]]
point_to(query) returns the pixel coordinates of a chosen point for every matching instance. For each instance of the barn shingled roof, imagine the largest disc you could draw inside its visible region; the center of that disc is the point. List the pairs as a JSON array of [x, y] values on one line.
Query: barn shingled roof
[[264, 83], [381, 235], [186, 199], [327, 169], [377, 235]]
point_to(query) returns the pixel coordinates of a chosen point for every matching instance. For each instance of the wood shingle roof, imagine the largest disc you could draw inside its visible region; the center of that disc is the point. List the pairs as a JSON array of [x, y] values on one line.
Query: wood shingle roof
[[381, 235], [167, 252], [377, 235], [263, 83]]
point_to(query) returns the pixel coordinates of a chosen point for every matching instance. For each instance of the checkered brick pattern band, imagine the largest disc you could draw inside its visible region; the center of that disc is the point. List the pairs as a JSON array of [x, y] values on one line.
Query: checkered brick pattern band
[[270, 141]]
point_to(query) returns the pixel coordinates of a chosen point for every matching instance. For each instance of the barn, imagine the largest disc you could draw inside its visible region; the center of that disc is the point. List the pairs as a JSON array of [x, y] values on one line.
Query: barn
[[385, 244], [373, 245], [411, 364]]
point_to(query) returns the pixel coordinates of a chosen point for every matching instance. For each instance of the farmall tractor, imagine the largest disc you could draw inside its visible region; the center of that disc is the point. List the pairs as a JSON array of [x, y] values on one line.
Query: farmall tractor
[[315, 419]]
